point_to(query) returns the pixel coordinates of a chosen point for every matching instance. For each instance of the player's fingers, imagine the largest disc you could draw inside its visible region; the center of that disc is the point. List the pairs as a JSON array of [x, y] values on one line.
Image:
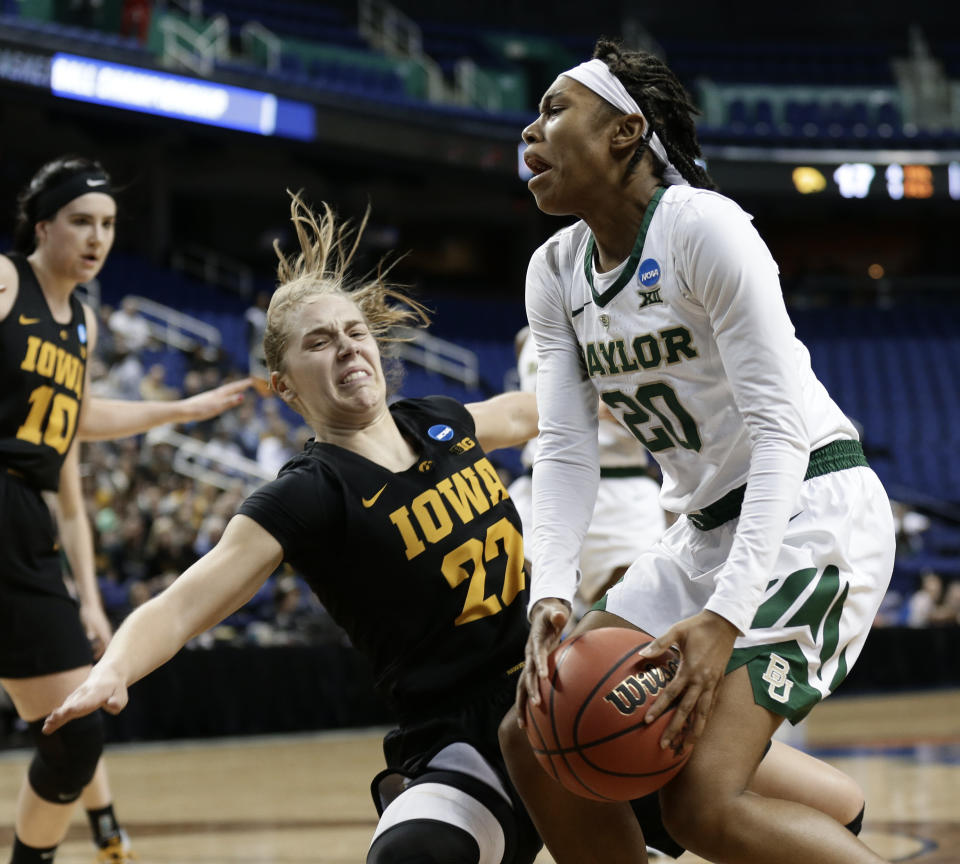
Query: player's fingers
[[522, 697], [70, 710], [236, 391], [672, 735], [699, 719], [529, 687], [54, 721], [541, 644], [657, 646], [541, 661], [666, 697], [260, 385]]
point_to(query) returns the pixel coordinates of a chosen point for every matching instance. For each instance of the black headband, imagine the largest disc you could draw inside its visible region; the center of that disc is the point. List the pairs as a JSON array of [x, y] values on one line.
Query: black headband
[[51, 200]]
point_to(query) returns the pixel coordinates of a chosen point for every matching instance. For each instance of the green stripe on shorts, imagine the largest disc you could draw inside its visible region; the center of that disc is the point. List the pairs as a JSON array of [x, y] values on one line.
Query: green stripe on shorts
[[778, 671]]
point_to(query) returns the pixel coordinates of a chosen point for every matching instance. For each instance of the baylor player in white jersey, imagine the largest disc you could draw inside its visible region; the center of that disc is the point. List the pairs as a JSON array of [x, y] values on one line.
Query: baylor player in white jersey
[[644, 331], [664, 300], [627, 517]]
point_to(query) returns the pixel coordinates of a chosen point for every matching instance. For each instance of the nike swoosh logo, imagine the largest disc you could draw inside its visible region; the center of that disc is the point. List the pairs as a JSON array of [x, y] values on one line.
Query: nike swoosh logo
[[92, 182], [24, 320], [369, 502], [578, 311], [794, 516]]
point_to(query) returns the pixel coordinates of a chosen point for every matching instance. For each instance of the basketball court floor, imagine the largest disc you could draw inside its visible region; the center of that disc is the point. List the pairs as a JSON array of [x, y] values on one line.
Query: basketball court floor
[[305, 798]]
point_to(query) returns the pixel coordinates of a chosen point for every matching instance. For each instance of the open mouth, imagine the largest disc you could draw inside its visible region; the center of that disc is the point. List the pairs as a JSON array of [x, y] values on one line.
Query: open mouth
[[535, 163]]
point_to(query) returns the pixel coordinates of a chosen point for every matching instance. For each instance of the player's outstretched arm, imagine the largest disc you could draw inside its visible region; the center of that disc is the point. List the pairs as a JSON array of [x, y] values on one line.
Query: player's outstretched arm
[[104, 419], [505, 420], [216, 585]]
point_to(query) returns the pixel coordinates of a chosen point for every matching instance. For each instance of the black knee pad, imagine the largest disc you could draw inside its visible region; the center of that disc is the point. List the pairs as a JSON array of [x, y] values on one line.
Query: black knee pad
[[424, 841], [66, 760]]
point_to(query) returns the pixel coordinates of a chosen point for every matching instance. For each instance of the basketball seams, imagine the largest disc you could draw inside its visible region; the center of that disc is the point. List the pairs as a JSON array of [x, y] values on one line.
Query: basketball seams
[[542, 752], [572, 706], [558, 662]]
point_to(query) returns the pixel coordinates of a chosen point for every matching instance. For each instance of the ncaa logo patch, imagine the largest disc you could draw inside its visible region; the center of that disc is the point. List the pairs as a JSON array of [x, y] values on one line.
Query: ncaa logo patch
[[82, 333], [440, 432], [649, 274]]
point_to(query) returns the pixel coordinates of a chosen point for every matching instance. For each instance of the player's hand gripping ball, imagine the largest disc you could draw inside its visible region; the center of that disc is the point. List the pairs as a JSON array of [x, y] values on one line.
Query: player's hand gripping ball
[[588, 731]]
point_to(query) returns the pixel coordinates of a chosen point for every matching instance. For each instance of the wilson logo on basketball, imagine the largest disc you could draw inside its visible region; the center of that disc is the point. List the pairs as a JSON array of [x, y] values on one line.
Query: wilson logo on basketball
[[634, 690]]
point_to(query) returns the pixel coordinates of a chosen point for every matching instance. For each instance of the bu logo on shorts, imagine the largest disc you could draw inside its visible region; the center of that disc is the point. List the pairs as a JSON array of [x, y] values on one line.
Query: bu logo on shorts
[[776, 677]]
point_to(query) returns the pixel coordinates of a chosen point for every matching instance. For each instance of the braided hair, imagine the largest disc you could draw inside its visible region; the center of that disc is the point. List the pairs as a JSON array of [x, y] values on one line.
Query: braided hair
[[49, 175], [664, 102]]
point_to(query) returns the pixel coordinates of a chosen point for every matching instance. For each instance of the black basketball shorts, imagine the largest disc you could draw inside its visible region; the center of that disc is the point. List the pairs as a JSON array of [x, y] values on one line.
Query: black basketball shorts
[[40, 628]]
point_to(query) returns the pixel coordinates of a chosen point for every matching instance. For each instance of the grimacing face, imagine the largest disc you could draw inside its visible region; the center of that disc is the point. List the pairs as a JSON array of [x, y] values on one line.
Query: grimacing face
[[568, 148], [333, 374]]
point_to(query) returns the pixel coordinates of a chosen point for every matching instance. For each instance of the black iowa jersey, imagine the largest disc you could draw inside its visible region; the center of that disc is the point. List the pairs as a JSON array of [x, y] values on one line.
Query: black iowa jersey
[[422, 568], [42, 367]]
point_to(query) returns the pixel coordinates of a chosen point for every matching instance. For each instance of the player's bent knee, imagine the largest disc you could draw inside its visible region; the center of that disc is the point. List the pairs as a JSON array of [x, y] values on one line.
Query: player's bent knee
[[688, 822], [65, 762], [445, 818], [514, 744], [650, 819], [424, 841]]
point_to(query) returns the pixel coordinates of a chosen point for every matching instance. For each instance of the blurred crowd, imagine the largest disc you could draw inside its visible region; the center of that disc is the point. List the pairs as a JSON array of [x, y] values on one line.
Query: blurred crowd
[[929, 598]]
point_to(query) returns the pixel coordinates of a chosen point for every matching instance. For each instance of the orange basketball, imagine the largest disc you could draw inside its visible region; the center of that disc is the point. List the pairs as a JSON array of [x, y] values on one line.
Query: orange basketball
[[588, 731]]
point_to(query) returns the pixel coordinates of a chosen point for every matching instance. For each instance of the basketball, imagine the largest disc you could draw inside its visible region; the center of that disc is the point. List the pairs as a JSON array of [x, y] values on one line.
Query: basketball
[[588, 731]]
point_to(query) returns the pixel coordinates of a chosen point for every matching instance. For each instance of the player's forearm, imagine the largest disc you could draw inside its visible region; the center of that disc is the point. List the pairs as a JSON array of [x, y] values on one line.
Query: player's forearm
[[148, 638], [208, 591], [506, 420], [521, 409], [77, 542], [776, 472], [104, 419]]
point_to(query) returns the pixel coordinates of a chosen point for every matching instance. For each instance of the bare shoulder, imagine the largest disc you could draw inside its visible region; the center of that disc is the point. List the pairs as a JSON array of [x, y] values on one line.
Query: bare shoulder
[[90, 318], [9, 284]]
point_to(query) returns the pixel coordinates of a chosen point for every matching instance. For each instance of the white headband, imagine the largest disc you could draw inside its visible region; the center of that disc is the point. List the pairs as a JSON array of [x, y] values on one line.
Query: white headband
[[596, 75]]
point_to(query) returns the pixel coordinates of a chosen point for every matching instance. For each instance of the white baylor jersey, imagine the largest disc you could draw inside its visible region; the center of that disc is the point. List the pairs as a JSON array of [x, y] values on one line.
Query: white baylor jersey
[[619, 448], [689, 344]]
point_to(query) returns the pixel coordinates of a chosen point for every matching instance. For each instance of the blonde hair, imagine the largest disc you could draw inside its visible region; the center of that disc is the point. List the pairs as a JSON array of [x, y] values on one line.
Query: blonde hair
[[322, 268]]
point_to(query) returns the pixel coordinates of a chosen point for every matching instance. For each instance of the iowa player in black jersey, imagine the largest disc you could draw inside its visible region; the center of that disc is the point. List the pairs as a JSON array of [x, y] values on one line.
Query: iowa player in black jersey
[[65, 230], [406, 533]]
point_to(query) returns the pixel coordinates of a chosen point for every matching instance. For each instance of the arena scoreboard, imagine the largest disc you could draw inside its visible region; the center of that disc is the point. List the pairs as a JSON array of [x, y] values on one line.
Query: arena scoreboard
[[894, 180]]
